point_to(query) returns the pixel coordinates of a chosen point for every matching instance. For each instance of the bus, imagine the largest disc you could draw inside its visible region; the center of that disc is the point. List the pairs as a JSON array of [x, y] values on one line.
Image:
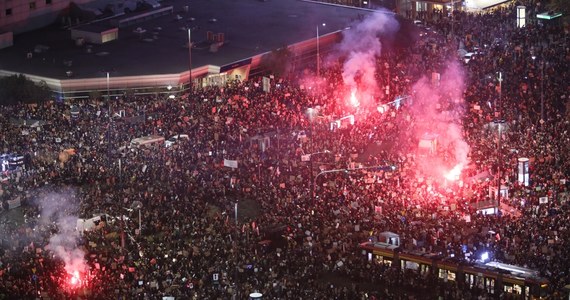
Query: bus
[[494, 277]]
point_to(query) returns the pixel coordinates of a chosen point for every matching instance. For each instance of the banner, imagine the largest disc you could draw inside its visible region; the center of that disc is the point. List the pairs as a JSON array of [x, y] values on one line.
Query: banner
[[306, 157], [543, 200], [230, 163], [14, 203]]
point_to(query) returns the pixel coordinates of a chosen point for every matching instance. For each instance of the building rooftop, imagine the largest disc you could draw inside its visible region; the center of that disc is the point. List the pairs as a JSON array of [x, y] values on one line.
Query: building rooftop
[[159, 45]]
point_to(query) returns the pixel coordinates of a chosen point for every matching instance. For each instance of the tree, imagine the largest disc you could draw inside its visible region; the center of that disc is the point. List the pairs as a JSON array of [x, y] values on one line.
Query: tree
[[19, 89], [561, 6], [278, 61]]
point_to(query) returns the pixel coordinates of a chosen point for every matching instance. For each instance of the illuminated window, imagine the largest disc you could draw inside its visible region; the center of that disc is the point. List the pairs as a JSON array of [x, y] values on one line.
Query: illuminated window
[[451, 276], [379, 259], [521, 16], [442, 273], [469, 280], [32, 5], [490, 285], [517, 289]]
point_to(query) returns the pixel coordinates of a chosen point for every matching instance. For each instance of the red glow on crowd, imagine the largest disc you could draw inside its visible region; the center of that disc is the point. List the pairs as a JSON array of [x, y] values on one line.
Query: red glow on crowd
[[454, 173]]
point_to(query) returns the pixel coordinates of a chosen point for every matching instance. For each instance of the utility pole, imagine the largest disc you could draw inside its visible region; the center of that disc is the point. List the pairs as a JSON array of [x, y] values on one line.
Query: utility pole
[[542, 120], [235, 295], [190, 60]]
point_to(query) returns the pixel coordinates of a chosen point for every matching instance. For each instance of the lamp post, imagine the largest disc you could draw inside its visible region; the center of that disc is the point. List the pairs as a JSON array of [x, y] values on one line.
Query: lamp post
[[452, 19], [380, 168], [108, 94], [541, 89], [311, 112], [312, 191], [109, 129], [318, 52], [138, 205], [499, 123], [542, 92], [190, 59], [500, 79], [235, 294]]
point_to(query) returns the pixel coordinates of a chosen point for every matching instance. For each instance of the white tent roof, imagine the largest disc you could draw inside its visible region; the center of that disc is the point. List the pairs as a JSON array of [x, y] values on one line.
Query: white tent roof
[[482, 4]]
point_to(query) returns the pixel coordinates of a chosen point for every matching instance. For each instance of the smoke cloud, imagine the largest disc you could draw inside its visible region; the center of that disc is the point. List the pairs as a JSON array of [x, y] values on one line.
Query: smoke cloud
[[362, 45], [438, 107], [59, 210]]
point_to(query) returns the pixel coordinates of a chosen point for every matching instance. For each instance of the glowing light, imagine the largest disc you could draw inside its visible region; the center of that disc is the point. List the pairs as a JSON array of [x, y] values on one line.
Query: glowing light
[[353, 100], [485, 256], [75, 279], [454, 173]]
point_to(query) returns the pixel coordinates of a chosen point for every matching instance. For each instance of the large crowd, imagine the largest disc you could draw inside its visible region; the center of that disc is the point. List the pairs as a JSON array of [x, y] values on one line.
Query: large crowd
[[298, 229]]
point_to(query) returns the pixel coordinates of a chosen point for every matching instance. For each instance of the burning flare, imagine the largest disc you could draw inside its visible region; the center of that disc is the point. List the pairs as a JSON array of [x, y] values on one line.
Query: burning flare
[[454, 173], [75, 279], [353, 100]]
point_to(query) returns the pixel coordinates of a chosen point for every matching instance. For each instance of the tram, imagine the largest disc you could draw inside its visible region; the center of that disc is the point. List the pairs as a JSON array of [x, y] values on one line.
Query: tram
[[494, 277]]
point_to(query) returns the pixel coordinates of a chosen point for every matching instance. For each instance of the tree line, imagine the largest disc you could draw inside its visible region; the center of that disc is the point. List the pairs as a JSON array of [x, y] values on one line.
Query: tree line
[[19, 89]]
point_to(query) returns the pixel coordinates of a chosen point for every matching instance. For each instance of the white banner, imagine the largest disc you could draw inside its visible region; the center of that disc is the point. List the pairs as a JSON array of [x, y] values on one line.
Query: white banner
[[266, 85], [230, 163], [14, 203], [306, 157], [543, 200]]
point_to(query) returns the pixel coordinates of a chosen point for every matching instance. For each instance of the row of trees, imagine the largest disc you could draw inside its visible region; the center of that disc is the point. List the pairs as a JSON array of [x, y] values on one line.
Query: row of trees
[[19, 89]]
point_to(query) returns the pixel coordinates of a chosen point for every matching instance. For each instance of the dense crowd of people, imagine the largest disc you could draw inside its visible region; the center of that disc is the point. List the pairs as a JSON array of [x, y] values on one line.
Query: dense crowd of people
[[299, 221]]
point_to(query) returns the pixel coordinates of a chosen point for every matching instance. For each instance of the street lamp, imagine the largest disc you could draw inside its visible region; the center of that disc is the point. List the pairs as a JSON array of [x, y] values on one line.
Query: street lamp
[[541, 92], [541, 89], [500, 79], [318, 52], [379, 168], [499, 123], [190, 59], [312, 191], [108, 95], [138, 205]]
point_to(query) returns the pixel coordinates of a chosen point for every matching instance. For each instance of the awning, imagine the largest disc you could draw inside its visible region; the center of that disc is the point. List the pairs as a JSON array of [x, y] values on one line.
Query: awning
[[482, 4]]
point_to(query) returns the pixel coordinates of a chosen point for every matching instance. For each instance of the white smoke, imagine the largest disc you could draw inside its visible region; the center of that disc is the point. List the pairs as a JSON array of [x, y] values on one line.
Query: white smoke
[[58, 210]]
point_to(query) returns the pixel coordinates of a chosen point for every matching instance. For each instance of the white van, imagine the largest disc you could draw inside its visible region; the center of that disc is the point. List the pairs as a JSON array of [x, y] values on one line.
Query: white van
[[145, 141]]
